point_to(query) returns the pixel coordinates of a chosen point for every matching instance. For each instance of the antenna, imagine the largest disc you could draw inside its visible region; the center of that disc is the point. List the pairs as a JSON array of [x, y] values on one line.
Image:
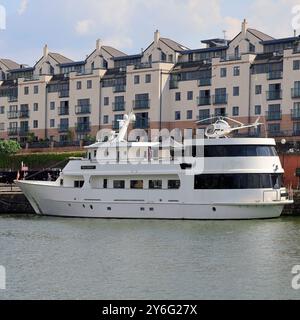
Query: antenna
[[224, 32]]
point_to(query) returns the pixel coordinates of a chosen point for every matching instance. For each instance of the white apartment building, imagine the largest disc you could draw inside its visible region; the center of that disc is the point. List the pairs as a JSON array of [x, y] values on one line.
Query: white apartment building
[[167, 85]]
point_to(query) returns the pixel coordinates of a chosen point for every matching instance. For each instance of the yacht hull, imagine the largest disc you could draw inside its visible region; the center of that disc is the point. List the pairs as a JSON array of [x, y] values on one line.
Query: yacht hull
[[51, 201]]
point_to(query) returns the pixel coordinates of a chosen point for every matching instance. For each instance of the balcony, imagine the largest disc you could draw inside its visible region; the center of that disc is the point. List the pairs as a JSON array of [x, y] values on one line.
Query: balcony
[[141, 104], [273, 115], [83, 127], [84, 109], [63, 111], [173, 84], [296, 132], [141, 123], [12, 99], [119, 88], [220, 114], [295, 93], [115, 125], [12, 115], [23, 132], [276, 133], [118, 106], [203, 101], [23, 114], [204, 82], [146, 65], [274, 75], [204, 119], [295, 114], [13, 131], [64, 94], [63, 128], [220, 99], [274, 95]]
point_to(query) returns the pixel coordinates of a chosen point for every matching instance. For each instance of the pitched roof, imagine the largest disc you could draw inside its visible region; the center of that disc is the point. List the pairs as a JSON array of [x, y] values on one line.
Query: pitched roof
[[10, 64], [260, 35], [173, 44], [59, 58], [113, 51]]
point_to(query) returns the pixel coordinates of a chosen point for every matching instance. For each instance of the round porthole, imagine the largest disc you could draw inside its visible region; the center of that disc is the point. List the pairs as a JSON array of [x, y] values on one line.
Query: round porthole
[[214, 209], [92, 208], [83, 205]]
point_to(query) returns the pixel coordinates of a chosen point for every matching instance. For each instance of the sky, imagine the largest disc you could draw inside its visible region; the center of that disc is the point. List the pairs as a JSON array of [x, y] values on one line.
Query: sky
[[71, 27]]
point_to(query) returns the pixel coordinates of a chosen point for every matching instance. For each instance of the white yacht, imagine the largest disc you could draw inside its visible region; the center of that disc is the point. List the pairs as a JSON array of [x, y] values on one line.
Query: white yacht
[[235, 178]]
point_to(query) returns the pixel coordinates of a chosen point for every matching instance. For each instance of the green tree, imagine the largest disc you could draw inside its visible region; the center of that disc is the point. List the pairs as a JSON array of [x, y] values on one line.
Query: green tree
[[9, 147]]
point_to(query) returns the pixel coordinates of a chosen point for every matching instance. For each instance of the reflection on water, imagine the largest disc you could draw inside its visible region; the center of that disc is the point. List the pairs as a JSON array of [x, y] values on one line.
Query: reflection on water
[[48, 258]]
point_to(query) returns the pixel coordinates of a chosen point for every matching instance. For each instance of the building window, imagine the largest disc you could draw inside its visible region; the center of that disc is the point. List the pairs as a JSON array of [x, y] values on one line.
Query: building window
[[236, 71], [52, 105], [170, 58], [78, 85], [177, 96], [136, 184], [26, 90], [235, 111], [52, 123], [296, 65], [136, 79], [257, 110], [258, 89], [35, 124], [119, 184], [189, 114], [2, 110], [106, 101], [89, 84], [35, 107], [252, 48], [173, 184], [148, 78], [155, 184], [236, 91], [274, 128], [163, 56], [105, 119], [190, 95], [223, 72], [36, 89], [177, 115], [2, 126]]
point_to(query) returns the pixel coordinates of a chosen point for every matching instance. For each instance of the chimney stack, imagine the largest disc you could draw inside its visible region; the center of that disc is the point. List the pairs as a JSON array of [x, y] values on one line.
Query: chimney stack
[[244, 27], [45, 50], [98, 44], [156, 37]]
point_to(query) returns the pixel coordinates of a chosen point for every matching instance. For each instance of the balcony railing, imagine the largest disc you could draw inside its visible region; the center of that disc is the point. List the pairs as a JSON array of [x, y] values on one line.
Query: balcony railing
[[204, 119], [220, 99], [23, 114], [64, 94], [173, 84], [119, 88], [276, 133], [84, 109], [295, 93], [273, 115], [23, 132], [13, 131], [204, 82], [12, 99], [296, 132], [12, 115], [83, 127], [118, 106], [203, 101], [63, 128], [274, 75], [116, 125], [146, 65], [274, 95], [141, 104], [295, 114], [63, 111], [141, 123], [220, 114]]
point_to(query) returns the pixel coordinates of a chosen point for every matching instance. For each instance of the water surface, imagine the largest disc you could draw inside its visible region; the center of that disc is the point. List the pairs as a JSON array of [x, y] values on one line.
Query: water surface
[[55, 258]]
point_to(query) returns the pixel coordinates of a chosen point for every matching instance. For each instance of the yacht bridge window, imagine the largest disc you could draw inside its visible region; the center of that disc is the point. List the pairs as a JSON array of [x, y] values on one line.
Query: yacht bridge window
[[238, 181]]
